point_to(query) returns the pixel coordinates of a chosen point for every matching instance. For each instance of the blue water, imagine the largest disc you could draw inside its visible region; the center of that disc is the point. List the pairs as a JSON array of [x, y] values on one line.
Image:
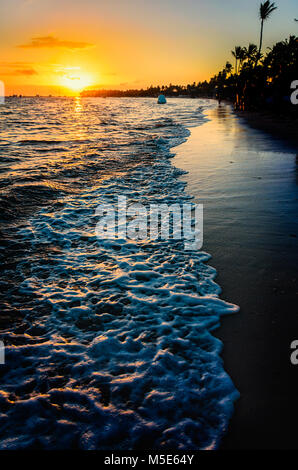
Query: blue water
[[108, 342]]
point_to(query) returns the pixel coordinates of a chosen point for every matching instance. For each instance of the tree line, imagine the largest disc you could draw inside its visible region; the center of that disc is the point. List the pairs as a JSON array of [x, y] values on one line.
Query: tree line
[[256, 80]]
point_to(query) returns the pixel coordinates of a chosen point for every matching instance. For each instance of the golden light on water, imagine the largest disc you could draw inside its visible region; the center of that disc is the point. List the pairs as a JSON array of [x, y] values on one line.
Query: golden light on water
[[78, 104]]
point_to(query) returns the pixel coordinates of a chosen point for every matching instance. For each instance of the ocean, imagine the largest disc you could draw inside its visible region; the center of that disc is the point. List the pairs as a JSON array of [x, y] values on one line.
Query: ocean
[[108, 343]]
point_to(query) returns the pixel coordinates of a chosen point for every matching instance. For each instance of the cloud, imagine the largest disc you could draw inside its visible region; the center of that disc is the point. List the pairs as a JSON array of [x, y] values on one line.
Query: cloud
[[53, 42], [27, 72], [17, 68]]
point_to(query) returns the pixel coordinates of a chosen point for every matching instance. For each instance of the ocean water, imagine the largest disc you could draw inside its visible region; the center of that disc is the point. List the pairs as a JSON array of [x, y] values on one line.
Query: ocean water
[[108, 343]]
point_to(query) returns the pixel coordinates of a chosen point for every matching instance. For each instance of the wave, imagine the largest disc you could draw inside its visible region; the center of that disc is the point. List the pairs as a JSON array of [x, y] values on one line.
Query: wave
[[112, 347]]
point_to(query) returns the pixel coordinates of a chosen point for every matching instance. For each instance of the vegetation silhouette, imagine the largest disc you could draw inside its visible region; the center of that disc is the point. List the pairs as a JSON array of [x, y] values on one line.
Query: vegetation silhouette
[[257, 81], [266, 9]]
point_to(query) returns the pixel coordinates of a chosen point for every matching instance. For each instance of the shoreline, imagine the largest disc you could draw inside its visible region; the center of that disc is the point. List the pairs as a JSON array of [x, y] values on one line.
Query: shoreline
[[247, 182], [112, 301]]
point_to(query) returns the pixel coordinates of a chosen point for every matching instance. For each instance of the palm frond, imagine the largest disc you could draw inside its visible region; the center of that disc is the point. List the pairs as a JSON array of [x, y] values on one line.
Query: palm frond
[[266, 9]]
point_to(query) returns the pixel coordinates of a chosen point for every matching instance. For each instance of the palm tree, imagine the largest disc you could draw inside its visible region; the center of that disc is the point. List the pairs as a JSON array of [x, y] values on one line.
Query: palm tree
[[266, 9], [228, 68], [252, 54], [242, 57], [251, 51], [237, 54]]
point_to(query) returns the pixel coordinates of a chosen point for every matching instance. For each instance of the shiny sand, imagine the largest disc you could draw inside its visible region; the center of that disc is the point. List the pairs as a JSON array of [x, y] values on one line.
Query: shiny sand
[[247, 181]]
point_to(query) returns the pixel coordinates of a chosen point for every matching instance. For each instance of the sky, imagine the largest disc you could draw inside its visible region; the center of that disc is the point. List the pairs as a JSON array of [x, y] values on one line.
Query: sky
[[62, 46]]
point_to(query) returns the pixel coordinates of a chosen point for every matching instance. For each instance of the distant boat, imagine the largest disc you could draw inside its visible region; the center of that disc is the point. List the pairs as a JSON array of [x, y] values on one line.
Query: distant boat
[[161, 99]]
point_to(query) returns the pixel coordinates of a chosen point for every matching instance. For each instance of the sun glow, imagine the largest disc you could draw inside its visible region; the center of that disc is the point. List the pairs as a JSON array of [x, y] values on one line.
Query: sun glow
[[76, 81]]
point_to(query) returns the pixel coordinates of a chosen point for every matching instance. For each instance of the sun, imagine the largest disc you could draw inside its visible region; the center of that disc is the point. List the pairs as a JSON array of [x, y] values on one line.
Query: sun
[[76, 82]]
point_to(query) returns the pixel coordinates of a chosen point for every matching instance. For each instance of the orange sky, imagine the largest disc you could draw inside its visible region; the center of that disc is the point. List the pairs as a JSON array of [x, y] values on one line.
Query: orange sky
[[62, 46]]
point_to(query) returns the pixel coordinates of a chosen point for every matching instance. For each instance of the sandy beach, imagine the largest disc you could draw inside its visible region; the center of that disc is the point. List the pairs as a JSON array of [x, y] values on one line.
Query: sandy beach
[[282, 126], [247, 181]]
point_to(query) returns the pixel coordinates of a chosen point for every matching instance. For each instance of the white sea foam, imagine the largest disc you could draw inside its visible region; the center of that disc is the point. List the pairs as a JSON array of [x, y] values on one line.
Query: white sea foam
[[117, 352]]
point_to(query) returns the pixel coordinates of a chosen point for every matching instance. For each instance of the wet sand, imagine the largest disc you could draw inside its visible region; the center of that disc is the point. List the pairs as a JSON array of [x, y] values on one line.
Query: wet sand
[[284, 127], [247, 181]]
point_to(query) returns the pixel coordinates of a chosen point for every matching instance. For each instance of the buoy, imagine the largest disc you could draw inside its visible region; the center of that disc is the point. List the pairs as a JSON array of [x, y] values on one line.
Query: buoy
[[161, 99]]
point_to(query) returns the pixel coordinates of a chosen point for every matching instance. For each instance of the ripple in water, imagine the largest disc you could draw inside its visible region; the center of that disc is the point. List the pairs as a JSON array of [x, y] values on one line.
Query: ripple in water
[[108, 343]]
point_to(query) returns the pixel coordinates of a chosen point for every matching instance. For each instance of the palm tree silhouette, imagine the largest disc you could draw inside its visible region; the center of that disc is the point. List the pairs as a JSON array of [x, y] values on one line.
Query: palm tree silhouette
[[265, 11], [228, 68], [251, 51], [252, 54], [237, 54], [242, 57]]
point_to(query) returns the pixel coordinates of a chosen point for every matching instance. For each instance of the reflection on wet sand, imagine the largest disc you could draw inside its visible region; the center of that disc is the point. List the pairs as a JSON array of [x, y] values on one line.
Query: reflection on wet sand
[[247, 181]]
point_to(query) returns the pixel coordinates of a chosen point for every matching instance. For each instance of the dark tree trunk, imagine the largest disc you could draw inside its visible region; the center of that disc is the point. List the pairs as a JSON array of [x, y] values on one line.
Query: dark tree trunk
[[261, 36]]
